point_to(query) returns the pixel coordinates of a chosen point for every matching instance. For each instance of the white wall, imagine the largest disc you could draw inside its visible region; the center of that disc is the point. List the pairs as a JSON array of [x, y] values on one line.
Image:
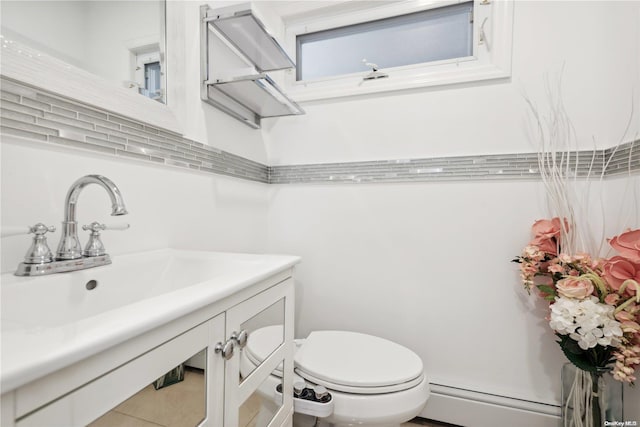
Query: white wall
[[427, 264]]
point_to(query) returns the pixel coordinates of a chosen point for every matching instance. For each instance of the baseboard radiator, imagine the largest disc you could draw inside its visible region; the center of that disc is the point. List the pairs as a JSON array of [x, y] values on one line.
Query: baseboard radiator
[[474, 409]]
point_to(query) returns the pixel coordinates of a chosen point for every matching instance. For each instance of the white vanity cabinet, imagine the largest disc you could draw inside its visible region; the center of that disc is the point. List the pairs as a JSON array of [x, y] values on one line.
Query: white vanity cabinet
[[84, 391]]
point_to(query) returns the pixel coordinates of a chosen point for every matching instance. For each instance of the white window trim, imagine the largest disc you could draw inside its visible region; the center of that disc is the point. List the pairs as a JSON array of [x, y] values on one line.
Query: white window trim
[[485, 64]]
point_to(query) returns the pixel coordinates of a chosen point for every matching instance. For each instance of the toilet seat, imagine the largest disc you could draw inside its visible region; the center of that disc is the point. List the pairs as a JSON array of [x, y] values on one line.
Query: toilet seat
[[360, 390], [262, 342], [344, 361], [352, 362]]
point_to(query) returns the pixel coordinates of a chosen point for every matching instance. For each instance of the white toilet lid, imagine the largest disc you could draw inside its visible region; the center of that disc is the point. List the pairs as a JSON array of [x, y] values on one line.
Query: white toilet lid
[[262, 342], [357, 363]]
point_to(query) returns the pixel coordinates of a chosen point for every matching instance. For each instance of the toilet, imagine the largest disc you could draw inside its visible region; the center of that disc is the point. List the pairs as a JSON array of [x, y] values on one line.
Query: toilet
[[372, 381]]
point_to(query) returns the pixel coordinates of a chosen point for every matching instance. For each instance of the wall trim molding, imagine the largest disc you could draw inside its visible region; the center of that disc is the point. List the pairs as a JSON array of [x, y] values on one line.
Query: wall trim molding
[[40, 115]]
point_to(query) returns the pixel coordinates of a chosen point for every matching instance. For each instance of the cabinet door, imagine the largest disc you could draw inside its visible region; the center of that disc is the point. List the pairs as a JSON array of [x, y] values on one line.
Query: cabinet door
[[153, 389], [251, 397]]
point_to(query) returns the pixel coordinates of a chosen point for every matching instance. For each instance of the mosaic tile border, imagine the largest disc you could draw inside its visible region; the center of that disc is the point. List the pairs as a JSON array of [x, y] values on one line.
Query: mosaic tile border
[[33, 113], [36, 114], [523, 166], [623, 159]]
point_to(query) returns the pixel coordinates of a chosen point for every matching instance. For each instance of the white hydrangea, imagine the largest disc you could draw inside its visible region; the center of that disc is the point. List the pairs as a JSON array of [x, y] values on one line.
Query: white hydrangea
[[586, 321]]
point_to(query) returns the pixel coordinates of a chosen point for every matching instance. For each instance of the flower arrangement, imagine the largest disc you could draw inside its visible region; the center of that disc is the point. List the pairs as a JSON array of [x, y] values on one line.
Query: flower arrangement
[[594, 303], [594, 299]]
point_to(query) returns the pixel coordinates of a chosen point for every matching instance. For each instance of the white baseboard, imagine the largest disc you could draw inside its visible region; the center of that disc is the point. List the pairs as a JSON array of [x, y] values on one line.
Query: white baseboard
[[474, 409]]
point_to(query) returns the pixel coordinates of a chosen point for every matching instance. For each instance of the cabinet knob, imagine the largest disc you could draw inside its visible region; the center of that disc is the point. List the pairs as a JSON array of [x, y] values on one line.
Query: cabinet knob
[[240, 338], [226, 349]]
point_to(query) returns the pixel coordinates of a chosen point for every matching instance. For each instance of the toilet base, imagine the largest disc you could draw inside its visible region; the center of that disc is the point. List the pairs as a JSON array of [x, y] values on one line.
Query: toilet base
[[387, 410]]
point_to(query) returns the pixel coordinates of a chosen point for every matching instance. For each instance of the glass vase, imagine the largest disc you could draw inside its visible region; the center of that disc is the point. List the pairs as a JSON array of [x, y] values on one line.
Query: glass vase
[[590, 398]]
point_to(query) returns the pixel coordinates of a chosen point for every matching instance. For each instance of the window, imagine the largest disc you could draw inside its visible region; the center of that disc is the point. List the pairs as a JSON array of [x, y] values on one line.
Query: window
[[430, 35], [152, 79], [147, 71], [413, 43]]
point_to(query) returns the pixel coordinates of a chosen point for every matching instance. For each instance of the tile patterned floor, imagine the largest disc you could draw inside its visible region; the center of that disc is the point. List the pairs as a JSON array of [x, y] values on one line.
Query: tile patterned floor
[[179, 405], [182, 405]]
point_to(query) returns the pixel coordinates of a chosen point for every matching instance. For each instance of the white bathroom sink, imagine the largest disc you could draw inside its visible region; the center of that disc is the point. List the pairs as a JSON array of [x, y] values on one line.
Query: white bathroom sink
[[51, 321]]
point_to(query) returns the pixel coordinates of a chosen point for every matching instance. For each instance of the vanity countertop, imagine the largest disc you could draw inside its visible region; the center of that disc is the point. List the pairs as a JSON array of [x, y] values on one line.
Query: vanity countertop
[[51, 322]]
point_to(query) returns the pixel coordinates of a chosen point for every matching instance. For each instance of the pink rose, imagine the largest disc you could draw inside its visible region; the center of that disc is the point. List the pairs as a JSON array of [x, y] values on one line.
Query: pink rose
[[574, 288], [628, 245], [617, 270]]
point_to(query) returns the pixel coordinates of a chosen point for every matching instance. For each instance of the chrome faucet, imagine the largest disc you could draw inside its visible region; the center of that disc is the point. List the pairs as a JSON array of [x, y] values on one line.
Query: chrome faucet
[[70, 256], [69, 246]]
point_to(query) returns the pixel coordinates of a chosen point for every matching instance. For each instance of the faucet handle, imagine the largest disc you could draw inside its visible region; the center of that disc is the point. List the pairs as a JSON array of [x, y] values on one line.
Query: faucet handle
[[94, 246], [39, 252], [96, 227], [40, 229]]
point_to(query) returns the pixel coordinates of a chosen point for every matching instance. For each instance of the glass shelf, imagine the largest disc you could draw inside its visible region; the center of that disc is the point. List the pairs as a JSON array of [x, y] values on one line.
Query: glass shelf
[[259, 94], [248, 98], [248, 35]]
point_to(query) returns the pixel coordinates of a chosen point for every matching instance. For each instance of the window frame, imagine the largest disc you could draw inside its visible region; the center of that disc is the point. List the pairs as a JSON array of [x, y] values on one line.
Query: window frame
[[485, 63]]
